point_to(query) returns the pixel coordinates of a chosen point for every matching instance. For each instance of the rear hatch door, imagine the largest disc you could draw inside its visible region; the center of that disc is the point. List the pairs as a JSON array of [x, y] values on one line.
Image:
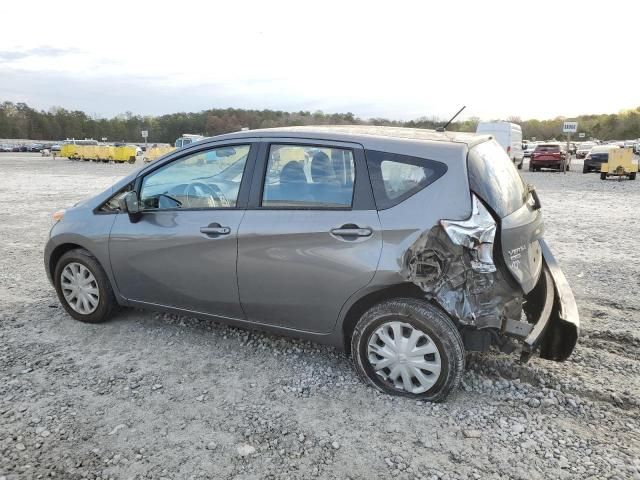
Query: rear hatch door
[[496, 181]]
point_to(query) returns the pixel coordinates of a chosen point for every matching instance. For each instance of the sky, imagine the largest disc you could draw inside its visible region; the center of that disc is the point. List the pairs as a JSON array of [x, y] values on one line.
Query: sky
[[392, 59]]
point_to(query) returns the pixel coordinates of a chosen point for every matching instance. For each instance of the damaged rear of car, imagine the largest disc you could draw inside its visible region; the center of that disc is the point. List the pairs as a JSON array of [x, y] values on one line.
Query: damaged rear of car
[[471, 241], [493, 273], [514, 294]]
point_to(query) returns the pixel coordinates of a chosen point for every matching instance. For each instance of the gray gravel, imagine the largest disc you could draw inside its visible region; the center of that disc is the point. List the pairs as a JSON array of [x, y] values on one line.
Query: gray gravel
[[161, 396]]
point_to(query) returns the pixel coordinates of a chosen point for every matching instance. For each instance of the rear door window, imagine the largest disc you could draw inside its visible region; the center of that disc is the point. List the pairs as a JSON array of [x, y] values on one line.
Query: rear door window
[[307, 176], [395, 177]]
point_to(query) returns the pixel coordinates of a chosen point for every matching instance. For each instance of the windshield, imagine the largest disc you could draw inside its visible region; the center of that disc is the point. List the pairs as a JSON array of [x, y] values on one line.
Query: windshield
[[494, 178]]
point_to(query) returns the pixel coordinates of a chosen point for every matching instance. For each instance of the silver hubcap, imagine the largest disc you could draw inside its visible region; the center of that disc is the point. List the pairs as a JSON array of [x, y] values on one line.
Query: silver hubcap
[[79, 288], [404, 357]]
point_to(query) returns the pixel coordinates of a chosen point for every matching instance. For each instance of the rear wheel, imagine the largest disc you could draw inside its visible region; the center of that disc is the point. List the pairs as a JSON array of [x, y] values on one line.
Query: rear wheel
[[83, 288], [603, 176], [408, 347], [585, 170], [632, 176]]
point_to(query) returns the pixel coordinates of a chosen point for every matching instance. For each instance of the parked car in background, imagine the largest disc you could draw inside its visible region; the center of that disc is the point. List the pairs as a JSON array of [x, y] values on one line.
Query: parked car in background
[[583, 149], [636, 148], [5, 148], [282, 230], [36, 147], [55, 147], [549, 155], [596, 157], [529, 149], [507, 134], [629, 144], [187, 139]]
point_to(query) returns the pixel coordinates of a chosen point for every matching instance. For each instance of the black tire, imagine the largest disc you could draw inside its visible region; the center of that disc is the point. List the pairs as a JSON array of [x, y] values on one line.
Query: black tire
[[520, 164], [632, 176], [585, 170], [107, 300], [425, 317], [603, 176]]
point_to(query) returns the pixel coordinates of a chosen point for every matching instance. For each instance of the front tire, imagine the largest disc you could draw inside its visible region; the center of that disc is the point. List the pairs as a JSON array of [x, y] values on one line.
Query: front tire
[[408, 347], [83, 287]]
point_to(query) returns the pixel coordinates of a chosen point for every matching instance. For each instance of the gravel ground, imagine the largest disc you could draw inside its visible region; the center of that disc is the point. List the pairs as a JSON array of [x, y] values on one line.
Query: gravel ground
[[160, 396]]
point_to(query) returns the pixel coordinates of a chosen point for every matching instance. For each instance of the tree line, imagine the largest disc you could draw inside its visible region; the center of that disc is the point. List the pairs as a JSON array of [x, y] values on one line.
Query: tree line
[[18, 120]]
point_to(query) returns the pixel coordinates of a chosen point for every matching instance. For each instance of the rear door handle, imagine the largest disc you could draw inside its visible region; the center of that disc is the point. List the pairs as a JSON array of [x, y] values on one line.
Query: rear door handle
[[215, 229], [352, 231]]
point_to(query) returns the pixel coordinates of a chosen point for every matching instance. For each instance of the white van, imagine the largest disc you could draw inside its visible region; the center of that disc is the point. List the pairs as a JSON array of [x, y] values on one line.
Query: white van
[[509, 135]]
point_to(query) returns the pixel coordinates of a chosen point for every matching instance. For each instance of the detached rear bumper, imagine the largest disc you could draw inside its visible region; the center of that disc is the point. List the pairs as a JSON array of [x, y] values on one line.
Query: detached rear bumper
[[556, 332]]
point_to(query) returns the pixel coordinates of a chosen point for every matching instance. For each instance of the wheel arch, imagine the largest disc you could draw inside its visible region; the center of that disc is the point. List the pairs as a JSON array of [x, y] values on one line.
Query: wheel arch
[[368, 300], [57, 253]]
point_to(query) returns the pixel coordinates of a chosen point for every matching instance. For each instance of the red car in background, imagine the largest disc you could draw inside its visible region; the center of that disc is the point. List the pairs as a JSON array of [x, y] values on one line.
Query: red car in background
[[549, 155]]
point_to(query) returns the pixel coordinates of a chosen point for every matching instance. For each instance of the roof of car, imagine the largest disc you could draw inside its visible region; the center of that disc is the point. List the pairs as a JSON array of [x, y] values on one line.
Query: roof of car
[[357, 133], [604, 148]]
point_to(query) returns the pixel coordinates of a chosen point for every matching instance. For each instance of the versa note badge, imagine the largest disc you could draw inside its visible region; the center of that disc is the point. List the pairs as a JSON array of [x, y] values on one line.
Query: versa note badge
[[515, 254]]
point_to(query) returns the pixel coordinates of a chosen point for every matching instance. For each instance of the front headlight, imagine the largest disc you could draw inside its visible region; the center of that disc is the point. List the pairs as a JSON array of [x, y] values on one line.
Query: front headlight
[[57, 216]]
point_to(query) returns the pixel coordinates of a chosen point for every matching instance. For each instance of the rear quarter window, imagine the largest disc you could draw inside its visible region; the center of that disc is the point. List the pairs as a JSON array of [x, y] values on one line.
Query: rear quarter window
[[396, 177]]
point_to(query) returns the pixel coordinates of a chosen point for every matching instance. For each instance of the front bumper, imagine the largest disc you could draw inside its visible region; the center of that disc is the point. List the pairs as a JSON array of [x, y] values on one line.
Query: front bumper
[[555, 333]]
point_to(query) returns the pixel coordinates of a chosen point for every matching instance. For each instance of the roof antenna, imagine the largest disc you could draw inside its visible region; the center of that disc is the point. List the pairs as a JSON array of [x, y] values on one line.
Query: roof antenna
[[442, 129]]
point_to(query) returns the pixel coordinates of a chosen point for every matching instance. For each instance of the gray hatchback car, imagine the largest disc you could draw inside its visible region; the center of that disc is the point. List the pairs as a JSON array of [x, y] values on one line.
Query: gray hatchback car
[[404, 247]]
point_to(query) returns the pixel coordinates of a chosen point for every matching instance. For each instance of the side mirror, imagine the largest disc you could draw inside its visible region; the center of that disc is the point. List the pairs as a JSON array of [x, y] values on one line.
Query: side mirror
[[129, 204]]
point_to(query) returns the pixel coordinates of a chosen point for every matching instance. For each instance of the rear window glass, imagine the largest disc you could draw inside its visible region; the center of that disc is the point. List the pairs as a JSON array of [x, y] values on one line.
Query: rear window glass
[[548, 148], [495, 179], [395, 177]]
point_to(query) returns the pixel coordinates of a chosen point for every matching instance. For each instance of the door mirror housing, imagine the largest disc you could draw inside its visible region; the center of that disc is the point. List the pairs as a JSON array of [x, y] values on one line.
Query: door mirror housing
[[130, 204]]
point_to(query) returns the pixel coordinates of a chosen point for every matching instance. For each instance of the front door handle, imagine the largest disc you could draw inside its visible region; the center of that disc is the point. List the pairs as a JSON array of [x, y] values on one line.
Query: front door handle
[[351, 230], [215, 229]]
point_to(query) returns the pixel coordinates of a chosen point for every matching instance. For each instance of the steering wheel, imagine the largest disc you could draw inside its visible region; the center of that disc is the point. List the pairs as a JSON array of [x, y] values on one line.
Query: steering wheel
[[221, 196], [199, 194]]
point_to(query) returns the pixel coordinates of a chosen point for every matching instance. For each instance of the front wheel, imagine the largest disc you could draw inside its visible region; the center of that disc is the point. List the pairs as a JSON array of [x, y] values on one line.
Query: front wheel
[[603, 176], [408, 347], [83, 287]]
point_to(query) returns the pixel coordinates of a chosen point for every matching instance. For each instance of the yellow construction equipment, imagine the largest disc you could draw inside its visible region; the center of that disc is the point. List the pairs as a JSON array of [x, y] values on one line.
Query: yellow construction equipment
[[69, 150], [153, 153], [619, 164], [125, 153]]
